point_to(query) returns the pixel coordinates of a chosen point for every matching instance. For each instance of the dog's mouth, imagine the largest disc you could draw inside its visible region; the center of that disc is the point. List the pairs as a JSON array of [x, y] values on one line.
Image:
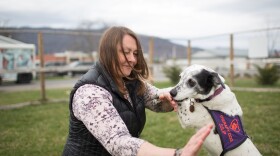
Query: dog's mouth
[[179, 101]]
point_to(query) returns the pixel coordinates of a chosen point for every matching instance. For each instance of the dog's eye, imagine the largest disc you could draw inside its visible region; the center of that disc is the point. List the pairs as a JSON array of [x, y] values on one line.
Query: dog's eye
[[191, 83]]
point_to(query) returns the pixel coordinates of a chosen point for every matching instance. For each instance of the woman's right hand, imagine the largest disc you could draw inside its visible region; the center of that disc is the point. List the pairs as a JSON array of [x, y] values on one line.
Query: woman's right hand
[[194, 144]]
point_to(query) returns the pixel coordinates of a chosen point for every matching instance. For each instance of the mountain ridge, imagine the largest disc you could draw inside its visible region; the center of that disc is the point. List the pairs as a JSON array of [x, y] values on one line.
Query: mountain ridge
[[60, 40]]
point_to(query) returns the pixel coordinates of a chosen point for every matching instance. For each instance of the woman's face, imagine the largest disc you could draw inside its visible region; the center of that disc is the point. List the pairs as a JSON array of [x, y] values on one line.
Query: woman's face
[[130, 52]]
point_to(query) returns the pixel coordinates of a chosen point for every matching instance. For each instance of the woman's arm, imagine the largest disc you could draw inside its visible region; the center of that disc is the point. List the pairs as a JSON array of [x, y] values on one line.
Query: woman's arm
[[148, 149], [93, 106]]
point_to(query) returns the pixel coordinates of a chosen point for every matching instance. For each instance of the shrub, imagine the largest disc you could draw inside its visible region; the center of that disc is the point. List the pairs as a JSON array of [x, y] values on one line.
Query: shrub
[[173, 73], [267, 75]]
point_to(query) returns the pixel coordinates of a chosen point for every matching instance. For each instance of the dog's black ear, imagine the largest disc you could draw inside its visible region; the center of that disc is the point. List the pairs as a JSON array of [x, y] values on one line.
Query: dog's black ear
[[217, 80], [205, 81]]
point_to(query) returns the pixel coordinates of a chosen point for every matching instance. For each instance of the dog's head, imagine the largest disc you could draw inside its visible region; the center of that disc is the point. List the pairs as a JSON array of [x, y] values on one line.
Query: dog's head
[[201, 87], [196, 81]]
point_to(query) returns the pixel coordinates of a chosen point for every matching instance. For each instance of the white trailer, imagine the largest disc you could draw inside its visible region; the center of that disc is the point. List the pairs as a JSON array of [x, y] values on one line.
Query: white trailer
[[17, 61]]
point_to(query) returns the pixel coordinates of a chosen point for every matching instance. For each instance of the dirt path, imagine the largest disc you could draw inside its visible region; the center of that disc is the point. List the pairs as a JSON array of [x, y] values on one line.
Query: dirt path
[[19, 105], [256, 89]]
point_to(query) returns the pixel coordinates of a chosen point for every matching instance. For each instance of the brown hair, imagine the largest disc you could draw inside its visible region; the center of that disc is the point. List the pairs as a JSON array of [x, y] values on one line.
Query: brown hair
[[108, 57]]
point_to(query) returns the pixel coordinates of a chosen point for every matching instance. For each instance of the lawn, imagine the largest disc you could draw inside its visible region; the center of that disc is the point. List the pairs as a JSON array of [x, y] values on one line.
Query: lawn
[[42, 129]]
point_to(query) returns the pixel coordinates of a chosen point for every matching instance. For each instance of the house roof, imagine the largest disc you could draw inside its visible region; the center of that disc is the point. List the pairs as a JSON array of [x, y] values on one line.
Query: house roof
[[224, 52], [204, 54], [219, 53], [6, 42], [52, 58]]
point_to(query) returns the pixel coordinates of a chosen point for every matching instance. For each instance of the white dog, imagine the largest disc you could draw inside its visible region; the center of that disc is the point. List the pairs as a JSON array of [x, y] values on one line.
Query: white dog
[[203, 98]]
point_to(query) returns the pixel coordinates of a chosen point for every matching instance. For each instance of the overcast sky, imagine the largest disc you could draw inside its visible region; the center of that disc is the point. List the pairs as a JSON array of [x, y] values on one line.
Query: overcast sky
[[162, 18]]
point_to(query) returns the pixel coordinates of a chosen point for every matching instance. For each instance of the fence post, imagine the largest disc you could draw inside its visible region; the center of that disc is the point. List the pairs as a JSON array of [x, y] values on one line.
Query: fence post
[[42, 73], [231, 56], [189, 52], [151, 58]]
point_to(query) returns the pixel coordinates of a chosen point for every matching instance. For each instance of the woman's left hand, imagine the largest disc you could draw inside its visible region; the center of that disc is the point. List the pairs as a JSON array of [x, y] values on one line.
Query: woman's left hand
[[166, 97]]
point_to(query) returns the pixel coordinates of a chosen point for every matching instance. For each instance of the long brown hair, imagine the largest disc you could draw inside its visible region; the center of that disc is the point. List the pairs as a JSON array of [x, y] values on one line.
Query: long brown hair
[[108, 57]]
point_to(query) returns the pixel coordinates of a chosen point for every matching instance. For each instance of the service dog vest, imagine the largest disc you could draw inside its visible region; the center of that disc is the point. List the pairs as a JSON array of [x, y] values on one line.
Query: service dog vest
[[230, 130]]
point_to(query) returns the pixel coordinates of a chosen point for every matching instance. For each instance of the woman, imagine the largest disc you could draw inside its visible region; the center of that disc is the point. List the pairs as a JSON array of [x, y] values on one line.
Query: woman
[[107, 105]]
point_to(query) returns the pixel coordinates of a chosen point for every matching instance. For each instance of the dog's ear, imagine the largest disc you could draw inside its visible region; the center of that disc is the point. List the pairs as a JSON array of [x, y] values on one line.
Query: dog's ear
[[205, 81], [217, 80]]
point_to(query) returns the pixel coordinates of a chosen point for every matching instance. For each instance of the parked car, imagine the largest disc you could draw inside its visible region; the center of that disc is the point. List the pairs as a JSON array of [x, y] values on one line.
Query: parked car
[[52, 68], [76, 68]]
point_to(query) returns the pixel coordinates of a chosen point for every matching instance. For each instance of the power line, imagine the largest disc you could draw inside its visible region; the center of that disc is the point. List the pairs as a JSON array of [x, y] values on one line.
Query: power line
[[226, 34], [90, 33], [65, 32]]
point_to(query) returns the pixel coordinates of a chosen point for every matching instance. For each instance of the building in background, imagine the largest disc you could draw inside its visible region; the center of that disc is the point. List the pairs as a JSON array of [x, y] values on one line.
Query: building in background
[[17, 61]]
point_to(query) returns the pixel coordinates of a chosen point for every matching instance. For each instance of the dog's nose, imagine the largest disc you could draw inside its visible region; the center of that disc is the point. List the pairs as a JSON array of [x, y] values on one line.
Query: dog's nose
[[173, 92]]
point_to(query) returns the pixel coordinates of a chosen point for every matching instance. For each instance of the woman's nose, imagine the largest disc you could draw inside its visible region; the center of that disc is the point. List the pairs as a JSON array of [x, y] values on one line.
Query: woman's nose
[[131, 57]]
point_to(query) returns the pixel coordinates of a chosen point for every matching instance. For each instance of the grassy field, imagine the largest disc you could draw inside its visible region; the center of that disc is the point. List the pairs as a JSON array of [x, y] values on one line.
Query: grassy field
[[42, 129]]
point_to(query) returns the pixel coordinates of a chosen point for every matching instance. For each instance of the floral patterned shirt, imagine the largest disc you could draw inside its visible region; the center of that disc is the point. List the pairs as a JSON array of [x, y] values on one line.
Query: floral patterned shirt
[[92, 105]]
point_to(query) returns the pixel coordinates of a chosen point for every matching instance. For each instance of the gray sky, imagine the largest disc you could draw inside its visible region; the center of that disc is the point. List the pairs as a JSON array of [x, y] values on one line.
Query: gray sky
[[162, 18]]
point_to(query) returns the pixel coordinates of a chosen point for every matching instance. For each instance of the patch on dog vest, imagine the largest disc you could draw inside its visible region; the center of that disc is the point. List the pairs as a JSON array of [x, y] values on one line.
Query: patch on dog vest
[[230, 130]]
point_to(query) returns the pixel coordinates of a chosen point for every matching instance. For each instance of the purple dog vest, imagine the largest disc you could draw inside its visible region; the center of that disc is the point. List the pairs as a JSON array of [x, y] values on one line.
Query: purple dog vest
[[230, 130]]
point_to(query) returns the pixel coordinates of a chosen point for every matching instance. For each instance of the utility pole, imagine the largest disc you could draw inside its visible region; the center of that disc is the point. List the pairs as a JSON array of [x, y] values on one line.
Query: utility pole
[[189, 52], [231, 56], [151, 58], [42, 73]]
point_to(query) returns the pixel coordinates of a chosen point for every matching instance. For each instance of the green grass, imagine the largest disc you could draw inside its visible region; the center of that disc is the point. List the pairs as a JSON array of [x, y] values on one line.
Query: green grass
[[34, 130], [42, 129], [8, 98], [261, 119]]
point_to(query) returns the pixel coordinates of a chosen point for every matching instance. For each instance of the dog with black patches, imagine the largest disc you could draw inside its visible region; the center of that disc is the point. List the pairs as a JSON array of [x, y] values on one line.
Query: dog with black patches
[[203, 98]]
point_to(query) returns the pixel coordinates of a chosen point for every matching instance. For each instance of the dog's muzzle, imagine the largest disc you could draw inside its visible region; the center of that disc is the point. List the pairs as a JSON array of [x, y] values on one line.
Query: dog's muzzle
[[173, 93]]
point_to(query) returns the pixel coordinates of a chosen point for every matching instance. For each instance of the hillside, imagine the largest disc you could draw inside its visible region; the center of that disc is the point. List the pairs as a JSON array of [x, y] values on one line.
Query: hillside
[[60, 40]]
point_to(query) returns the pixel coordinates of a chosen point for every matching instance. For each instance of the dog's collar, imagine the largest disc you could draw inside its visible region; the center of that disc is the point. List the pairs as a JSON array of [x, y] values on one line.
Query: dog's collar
[[217, 92]]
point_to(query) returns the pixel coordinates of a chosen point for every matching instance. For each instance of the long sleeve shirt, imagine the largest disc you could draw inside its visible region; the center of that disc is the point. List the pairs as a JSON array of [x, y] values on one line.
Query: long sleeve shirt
[[93, 105]]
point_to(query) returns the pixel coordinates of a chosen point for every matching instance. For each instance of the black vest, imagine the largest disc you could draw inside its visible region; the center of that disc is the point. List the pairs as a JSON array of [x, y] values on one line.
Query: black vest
[[80, 141]]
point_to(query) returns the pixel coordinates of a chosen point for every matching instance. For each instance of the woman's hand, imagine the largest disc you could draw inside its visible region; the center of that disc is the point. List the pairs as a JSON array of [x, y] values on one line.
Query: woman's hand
[[166, 97], [196, 141]]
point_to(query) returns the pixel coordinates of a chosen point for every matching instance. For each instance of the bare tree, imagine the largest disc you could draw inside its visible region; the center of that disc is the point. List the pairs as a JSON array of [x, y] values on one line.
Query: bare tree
[[94, 25], [90, 32], [272, 37], [4, 23]]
